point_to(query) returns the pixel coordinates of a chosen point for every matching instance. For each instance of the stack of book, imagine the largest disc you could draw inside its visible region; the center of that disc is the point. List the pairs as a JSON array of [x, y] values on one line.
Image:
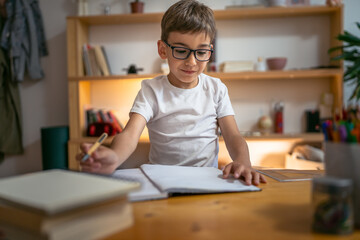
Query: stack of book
[[236, 66], [60, 204], [95, 61], [99, 119]]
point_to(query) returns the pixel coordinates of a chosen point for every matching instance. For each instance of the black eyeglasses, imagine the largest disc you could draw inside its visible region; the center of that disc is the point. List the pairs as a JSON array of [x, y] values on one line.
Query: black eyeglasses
[[182, 53]]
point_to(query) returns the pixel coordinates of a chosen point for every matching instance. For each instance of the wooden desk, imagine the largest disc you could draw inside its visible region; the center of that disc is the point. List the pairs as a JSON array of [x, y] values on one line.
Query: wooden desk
[[280, 211]]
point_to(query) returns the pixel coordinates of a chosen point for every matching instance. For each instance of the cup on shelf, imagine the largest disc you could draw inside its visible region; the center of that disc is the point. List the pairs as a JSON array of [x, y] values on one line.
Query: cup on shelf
[[277, 3], [276, 63]]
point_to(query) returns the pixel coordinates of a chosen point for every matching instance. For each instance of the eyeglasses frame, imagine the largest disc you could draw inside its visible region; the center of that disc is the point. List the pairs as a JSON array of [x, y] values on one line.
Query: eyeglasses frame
[[191, 51]]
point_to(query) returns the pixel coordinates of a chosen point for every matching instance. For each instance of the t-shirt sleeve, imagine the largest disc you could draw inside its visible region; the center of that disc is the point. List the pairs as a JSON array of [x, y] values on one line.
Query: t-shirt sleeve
[[224, 107], [142, 103]]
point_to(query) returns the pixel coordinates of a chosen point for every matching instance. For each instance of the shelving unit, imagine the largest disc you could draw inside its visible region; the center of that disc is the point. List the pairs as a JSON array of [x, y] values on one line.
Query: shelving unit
[[80, 85]]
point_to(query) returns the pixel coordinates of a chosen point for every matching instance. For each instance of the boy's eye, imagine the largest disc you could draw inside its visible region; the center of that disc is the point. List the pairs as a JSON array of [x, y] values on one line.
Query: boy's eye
[[181, 51], [201, 53]]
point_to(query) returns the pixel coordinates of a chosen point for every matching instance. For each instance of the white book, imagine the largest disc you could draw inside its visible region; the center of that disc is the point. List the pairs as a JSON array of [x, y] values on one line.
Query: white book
[[61, 205], [55, 191], [161, 181]]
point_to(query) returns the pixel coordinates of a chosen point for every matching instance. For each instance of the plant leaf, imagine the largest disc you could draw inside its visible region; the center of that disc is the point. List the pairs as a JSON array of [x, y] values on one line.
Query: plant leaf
[[352, 56], [349, 38], [339, 48], [356, 93]]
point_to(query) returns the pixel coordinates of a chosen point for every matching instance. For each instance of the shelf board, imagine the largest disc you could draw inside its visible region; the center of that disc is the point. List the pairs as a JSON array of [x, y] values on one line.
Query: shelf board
[[273, 12], [305, 137], [115, 77], [288, 74], [291, 74], [241, 13]]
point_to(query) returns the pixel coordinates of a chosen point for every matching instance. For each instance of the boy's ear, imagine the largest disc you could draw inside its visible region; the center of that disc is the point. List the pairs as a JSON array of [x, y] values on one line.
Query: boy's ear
[[162, 49]]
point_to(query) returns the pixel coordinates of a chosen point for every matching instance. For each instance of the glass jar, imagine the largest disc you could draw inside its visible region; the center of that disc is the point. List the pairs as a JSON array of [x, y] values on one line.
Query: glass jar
[[332, 205]]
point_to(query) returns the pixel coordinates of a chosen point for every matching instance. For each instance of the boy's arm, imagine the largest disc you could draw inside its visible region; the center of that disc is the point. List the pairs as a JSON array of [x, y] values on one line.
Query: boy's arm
[[124, 144], [105, 160], [239, 153]]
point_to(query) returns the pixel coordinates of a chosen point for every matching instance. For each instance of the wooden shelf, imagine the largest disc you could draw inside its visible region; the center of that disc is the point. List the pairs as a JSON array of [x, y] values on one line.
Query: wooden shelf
[[291, 74], [246, 13], [80, 86]]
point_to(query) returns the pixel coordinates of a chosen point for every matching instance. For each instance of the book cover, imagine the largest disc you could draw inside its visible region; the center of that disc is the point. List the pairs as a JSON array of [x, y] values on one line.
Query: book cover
[[106, 59], [60, 204], [95, 68], [91, 116], [104, 117], [86, 61], [103, 64], [92, 222], [118, 125], [55, 191]]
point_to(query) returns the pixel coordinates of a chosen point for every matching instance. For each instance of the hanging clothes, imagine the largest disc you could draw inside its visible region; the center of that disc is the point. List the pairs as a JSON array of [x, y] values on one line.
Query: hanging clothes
[[24, 39], [10, 112]]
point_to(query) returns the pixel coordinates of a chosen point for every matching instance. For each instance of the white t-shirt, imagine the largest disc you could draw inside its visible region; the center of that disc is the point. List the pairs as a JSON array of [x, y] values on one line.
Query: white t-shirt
[[182, 123]]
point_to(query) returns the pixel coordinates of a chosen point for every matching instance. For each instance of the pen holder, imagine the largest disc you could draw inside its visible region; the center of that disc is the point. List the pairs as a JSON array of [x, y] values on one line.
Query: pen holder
[[332, 205]]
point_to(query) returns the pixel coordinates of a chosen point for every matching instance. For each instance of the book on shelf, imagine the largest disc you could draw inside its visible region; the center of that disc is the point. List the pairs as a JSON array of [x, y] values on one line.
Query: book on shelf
[[102, 60], [91, 116], [95, 60], [106, 59], [162, 181], [118, 124], [60, 204], [95, 67], [236, 66], [86, 60], [103, 116], [104, 119]]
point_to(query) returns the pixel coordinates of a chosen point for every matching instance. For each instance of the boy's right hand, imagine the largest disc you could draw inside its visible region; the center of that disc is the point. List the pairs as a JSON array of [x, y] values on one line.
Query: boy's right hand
[[103, 161]]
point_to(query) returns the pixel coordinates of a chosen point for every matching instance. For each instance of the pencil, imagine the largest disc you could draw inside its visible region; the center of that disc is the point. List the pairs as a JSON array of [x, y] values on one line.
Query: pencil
[[95, 146]]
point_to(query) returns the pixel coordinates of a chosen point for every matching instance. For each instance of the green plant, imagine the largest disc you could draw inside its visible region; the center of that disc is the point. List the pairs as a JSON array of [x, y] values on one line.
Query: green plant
[[351, 55]]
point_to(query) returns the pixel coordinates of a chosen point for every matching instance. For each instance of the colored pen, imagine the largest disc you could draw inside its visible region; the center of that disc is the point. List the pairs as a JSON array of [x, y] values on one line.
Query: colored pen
[[95, 146]]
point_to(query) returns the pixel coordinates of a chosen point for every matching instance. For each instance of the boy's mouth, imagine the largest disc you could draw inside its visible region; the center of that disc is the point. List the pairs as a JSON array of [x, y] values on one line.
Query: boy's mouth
[[188, 71]]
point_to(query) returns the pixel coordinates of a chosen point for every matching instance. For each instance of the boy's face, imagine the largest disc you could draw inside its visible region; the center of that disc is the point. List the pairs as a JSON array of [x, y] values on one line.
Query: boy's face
[[184, 73]]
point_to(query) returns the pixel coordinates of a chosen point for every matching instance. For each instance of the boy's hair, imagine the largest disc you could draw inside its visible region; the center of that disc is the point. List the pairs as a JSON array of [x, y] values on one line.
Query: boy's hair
[[188, 16]]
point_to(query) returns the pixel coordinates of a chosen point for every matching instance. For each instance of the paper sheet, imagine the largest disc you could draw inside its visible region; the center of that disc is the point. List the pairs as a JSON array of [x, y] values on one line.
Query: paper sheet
[[147, 191]]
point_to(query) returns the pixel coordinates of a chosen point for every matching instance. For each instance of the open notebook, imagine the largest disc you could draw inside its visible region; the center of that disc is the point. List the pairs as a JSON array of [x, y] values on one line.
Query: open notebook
[[162, 181]]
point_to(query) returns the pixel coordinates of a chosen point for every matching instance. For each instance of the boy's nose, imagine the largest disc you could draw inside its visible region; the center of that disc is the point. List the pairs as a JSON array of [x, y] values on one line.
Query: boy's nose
[[191, 60]]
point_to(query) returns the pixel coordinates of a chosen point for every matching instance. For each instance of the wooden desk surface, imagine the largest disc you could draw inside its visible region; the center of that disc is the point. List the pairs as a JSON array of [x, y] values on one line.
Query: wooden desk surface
[[282, 210]]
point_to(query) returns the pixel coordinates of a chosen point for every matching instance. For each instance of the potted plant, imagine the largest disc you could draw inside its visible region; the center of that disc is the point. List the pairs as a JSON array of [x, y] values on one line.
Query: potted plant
[[351, 55], [137, 6]]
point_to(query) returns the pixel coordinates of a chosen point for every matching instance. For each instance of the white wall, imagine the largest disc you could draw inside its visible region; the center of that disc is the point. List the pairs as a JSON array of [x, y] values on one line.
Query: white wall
[[351, 10], [45, 103]]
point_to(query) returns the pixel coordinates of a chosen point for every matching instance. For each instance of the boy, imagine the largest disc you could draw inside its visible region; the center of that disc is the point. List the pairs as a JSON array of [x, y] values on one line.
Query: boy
[[184, 109]]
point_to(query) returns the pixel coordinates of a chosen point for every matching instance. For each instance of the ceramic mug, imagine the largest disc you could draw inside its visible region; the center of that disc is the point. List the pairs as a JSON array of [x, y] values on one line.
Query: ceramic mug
[[278, 3]]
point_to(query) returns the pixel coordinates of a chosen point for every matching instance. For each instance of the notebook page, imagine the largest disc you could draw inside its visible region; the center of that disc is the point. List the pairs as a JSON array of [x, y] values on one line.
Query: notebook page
[[183, 179], [147, 190]]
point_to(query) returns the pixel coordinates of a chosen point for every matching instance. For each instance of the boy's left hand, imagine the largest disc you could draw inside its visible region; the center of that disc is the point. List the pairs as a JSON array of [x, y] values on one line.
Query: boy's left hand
[[239, 170]]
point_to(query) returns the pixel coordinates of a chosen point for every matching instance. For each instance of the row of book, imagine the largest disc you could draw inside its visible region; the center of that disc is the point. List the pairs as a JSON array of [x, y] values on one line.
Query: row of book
[[95, 60], [99, 121]]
